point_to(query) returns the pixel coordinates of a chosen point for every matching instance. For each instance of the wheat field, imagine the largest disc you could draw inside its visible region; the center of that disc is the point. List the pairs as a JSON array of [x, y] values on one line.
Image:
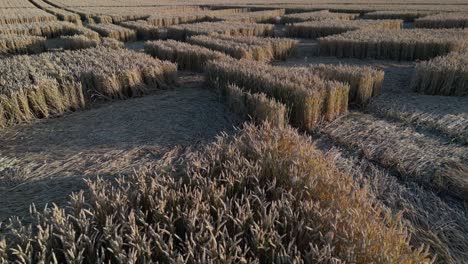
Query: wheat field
[[212, 131]]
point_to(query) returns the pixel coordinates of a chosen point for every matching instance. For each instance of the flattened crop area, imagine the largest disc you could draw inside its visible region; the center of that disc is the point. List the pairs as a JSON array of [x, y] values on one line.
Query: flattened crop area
[[47, 160], [267, 132]]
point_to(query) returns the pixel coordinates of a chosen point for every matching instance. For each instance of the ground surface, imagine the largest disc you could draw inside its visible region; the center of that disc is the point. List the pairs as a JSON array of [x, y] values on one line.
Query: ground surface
[[45, 161]]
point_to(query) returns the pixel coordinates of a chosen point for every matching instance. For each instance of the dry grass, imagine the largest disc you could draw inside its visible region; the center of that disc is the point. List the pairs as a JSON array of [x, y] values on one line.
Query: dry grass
[[317, 16], [253, 48], [24, 15], [289, 204], [445, 20], [264, 16], [114, 31], [365, 82], [144, 30], [181, 32], [406, 15], [187, 56], [411, 44], [309, 98], [445, 75], [445, 115], [50, 84], [321, 28], [256, 107], [417, 157], [20, 44]]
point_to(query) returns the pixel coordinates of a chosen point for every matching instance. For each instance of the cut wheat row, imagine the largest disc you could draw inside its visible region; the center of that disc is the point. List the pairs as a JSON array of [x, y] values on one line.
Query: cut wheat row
[[444, 75], [445, 20], [406, 15], [365, 82], [50, 84], [309, 98], [171, 18], [264, 16], [21, 44], [317, 16], [144, 30], [187, 56], [51, 29], [114, 31], [181, 32], [254, 48], [117, 14], [256, 107], [316, 29], [410, 44], [24, 15]]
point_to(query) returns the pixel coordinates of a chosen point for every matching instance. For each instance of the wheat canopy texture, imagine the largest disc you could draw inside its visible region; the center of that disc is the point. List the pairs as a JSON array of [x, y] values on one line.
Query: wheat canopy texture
[[289, 204], [444, 75], [181, 32], [187, 56], [322, 28], [410, 44], [50, 84], [254, 48], [316, 16], [309, 98]]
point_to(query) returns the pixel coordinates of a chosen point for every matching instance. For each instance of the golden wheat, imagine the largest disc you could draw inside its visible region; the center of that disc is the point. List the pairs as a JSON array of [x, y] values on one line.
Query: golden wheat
[[112, 43], [181, 32], [410, 44], [255, 48], [317, 16], [20, 44], [77, 42], [365, 82], [114, 31], [309, 98], [417, 157], [51, 29], [58, 12], [264, 16], [406, 15], [117, 14], [144, 30], [266, 195], [48, 84], [316, 29], [171, 18], [445, 75], [256, 107], [188, 57], [24, 15], [445, 20]]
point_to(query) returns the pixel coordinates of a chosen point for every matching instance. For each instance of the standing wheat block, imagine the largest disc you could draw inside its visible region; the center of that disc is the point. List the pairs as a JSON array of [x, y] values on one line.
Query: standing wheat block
[[407, 44]]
